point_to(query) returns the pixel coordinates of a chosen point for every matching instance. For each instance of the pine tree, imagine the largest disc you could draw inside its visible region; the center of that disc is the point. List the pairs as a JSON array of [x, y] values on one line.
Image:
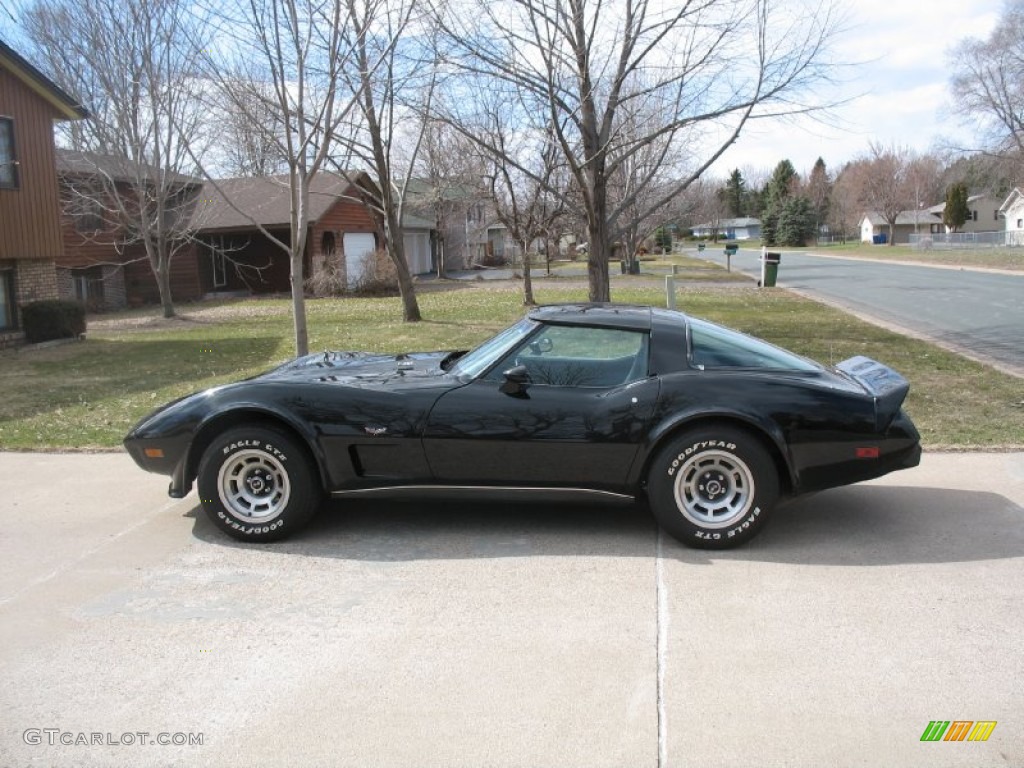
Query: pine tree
[[735, 195], [796, 222], [779, 189], [819, 193], [956, 211]]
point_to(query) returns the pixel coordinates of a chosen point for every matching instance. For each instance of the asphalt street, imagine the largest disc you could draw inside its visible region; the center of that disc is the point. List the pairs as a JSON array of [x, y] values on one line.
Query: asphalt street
[[980, 313], [449, 634]]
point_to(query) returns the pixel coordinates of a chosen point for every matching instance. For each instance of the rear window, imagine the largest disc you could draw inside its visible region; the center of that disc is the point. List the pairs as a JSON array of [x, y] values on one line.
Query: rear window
[[716, 347]]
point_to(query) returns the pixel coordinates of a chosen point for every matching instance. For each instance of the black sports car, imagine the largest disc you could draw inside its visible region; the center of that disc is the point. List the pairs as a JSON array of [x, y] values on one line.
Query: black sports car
[[596, 400]]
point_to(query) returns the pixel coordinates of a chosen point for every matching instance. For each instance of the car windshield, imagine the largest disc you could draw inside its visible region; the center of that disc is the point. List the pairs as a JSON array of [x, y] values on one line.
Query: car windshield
[[481, 358], [718, 347]]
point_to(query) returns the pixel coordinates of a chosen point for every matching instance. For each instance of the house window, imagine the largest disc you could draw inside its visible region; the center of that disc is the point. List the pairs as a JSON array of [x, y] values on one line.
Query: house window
[[87, 213], [974, 215], [1020, 223], [7, 315], [88, 286], [8, 160], [220, 275]]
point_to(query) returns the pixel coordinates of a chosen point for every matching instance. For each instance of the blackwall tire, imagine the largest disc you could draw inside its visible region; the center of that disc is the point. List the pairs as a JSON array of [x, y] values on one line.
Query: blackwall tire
[[713, 487], [257, 484]]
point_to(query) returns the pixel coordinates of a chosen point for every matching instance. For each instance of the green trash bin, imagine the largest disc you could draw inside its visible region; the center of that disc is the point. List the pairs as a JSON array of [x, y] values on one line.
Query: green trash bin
[[771, 269]]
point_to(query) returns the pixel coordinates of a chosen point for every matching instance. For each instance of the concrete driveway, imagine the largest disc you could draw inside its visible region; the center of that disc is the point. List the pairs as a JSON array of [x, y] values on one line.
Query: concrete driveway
[[488, 635]]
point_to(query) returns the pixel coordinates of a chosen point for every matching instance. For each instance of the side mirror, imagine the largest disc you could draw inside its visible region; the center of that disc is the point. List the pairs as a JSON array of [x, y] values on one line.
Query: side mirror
[[516, 381], [541, 346]]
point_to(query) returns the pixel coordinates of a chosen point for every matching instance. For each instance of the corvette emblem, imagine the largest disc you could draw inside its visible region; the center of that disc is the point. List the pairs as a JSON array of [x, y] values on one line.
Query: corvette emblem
[[375, 431]]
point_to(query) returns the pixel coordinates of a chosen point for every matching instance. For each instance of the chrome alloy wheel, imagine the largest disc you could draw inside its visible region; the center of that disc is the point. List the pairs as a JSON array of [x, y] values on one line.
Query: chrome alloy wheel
[[253, 486], [714, 489]]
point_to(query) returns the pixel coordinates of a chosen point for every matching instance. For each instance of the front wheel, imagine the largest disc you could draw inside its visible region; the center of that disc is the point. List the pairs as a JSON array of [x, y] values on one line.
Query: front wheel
[[713, 487], [257, 484]]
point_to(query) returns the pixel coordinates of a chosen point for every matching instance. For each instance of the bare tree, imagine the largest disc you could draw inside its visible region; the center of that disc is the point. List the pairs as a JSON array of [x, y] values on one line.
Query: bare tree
[[388, 69], [579, 65], [844, 209], [884, 183], [250, 143], [523, 201], [287, 59], [134, 64], [988, 83]]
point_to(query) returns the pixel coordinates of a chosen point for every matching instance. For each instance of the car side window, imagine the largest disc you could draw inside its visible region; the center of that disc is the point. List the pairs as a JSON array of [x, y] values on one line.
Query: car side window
[[716, 347], [568, 356]]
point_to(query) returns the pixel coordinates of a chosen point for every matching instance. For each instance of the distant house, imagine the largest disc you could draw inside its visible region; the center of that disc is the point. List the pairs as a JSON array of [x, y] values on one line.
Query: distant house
[[466, 229], [30, 232], [731, 229], [984, 215], [104, 263], [1012, 211], [875, 229], [234, 256]]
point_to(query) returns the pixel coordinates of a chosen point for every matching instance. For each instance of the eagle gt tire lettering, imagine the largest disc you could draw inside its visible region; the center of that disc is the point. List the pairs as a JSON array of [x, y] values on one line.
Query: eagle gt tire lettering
[[257, 484], [712, 487]]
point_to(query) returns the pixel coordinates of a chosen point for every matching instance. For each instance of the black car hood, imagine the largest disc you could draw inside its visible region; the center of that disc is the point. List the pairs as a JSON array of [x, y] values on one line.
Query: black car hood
[[359, 368]]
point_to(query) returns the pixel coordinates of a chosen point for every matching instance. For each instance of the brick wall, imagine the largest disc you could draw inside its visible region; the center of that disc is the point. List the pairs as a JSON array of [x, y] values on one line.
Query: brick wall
[[34, 280]]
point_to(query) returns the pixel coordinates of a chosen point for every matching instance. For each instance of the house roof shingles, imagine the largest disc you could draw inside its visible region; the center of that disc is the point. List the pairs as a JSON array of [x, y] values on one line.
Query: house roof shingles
[[264, 199], [72, 162], [909, 218]]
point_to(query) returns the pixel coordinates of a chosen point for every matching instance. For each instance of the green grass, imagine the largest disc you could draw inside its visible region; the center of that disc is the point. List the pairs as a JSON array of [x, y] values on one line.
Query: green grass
[[87, 395]]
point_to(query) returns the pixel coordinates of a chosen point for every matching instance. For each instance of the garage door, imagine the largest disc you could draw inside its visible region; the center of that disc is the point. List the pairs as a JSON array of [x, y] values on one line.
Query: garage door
[[359, 248], [417, 252]]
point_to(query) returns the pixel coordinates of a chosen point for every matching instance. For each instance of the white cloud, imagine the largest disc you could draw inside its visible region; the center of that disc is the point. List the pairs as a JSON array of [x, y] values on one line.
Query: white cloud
[[898, 91]]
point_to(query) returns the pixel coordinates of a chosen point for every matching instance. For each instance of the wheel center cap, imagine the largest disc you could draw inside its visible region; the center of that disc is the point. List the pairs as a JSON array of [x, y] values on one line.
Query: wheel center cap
[[712, 485], [257, 484]]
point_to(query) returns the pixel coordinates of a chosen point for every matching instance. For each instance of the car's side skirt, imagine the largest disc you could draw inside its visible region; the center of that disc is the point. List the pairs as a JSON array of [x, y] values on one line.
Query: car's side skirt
[[517, 493]]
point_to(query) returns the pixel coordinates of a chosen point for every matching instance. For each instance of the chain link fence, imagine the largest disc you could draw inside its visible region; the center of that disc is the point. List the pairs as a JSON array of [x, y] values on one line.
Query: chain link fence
[[952, 240]]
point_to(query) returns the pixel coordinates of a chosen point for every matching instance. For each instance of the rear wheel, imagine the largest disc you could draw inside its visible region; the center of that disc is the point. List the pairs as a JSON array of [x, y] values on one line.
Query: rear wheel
[[713, 487], [257, 484]]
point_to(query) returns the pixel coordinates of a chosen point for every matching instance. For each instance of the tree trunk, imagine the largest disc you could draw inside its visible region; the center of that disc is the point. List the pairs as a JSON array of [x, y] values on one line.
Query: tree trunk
[[299, 304], [597, 259], [528, 300], [296, 271], [163, 282], [161, 265], [396, 250]]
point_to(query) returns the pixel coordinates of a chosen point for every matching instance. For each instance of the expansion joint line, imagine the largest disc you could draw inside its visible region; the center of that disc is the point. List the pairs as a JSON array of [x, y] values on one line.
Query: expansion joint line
[[661, 598]]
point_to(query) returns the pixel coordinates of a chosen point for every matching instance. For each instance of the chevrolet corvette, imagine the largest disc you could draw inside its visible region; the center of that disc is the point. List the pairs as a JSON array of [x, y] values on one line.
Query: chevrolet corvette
[[709, 426]]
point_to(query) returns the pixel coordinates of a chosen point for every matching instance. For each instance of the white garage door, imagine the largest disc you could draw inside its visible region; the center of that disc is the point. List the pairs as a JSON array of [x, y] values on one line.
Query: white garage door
[[417, 252], [359, 248]]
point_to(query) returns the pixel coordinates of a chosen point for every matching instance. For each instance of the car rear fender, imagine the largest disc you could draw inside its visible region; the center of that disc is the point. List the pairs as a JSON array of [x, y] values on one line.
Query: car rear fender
[[767, 432], [248, 414]]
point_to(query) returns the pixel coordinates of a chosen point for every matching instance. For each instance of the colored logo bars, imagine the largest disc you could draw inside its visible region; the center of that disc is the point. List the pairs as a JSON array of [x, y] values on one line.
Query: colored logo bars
[[958, 730]]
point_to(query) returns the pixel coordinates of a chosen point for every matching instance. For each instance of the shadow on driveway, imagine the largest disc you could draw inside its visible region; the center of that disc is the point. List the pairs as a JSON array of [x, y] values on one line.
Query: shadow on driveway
[[855, 526]]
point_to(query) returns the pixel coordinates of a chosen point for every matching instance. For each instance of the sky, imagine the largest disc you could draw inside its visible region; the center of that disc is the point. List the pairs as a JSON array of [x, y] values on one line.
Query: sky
[[897, 90], [899, 94]]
